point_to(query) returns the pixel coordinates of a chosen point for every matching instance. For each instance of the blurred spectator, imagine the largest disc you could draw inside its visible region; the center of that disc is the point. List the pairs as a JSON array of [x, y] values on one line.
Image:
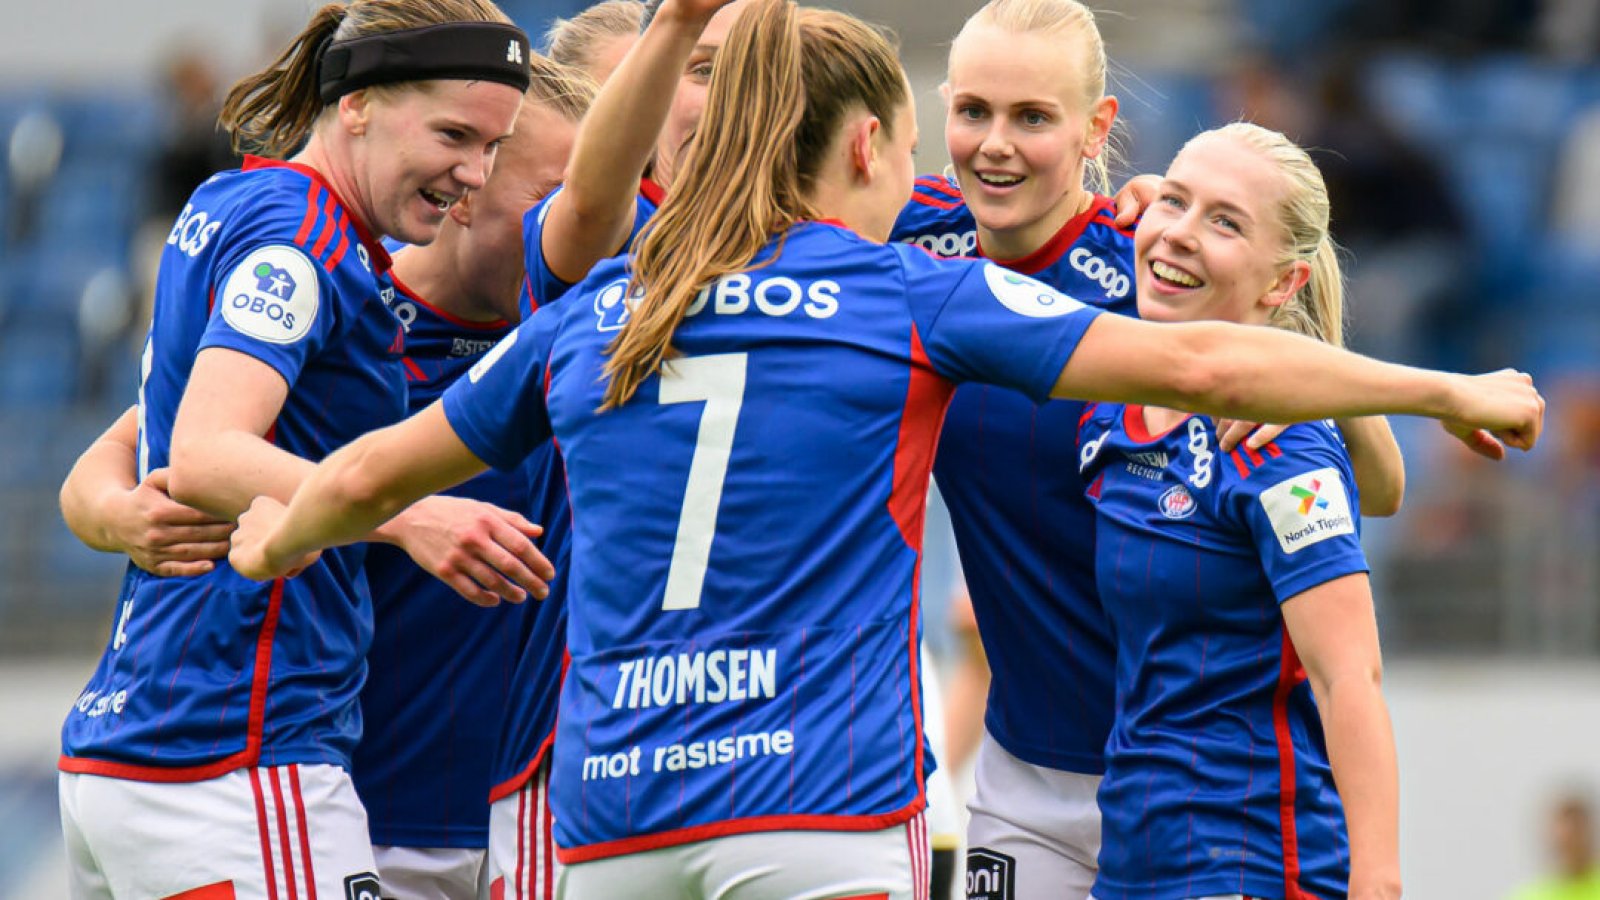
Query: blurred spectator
[[194, 148], [1448, 26], [1575, 212], [1571, 836], [33, 152]]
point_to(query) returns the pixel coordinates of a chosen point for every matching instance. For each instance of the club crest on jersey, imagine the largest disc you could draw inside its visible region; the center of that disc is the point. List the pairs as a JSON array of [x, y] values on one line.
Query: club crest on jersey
[[1177, 502], [990, 875], [612, 305], [1307, 509], [272, 295], [1027, 297]]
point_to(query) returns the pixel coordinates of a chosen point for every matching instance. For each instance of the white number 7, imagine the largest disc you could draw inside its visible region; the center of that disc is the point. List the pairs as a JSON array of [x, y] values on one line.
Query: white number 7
[[718, 381]]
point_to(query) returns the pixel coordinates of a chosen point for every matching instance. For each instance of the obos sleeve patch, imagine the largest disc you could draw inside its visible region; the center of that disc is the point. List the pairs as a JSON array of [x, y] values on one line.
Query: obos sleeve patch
[[1308, 508], [1026, 296], [272, 295]]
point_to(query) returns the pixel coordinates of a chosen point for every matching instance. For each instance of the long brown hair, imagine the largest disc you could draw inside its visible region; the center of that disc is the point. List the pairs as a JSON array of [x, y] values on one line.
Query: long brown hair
[[782, 85], [573, 42], [272, 111]]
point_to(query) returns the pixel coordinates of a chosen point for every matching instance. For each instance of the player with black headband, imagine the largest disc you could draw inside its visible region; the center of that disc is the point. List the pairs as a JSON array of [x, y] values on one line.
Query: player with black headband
[[209, 754]]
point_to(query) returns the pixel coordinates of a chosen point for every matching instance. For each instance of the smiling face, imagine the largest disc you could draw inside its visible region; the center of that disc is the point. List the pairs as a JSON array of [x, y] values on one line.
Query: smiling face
[[420, 148], [1020, 126], [1211, 246]]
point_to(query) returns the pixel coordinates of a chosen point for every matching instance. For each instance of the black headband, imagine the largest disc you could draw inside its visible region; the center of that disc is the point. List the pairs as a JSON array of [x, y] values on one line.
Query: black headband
[[470, 51]]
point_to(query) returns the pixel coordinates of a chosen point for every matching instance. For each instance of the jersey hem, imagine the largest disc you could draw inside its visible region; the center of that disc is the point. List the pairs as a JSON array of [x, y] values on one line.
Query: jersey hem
[[1076, 763], [1206, 886], [513, 784], [730, 827]]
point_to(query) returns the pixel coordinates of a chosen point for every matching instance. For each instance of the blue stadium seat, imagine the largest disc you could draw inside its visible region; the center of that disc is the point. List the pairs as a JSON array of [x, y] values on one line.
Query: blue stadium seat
[[38, 367], [93, 207], [106, 126]]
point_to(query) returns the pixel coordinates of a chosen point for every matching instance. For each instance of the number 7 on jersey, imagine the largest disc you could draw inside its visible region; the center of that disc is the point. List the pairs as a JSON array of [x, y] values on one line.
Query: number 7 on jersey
[[718, 381]]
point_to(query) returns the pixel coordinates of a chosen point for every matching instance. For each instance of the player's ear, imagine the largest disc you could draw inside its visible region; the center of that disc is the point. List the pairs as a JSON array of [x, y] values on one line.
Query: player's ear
[[355, 111], [862, 138], [461, 210], [1289, 282]]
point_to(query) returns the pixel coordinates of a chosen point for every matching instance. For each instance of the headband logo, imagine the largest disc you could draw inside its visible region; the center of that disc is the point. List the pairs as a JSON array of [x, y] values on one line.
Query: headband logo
[[513, 52]]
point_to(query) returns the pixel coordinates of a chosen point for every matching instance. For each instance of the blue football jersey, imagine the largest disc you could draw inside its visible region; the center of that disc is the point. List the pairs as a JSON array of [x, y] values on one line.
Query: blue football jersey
[[1023, 528], [1217, 778], [743, 625], [441, 667], [540, 285], [209, 674]]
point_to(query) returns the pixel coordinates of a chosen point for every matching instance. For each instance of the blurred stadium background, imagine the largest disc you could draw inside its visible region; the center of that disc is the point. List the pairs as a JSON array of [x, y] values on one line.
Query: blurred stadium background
[[1460, 139]]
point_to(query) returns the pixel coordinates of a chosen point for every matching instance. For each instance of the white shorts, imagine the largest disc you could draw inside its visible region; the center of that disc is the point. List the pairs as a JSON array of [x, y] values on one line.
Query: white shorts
[[944, 819], [430, 873], [252, 834], [522, 852], [892, 864], [1034, 832]]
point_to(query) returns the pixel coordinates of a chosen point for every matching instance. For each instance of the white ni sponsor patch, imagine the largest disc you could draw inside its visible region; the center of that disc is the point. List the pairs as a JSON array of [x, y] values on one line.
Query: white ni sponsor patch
[[272, 295], [1025, 296], [482, 366], [1308, 508]]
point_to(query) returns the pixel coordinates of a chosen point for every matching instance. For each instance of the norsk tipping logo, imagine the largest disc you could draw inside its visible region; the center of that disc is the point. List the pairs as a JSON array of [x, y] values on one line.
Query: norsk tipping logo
[[1309, 498]]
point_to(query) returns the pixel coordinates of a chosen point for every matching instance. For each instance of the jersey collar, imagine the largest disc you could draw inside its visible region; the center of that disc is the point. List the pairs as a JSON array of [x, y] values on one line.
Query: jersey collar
[[1059, 243], [653, 192], [380, 257]]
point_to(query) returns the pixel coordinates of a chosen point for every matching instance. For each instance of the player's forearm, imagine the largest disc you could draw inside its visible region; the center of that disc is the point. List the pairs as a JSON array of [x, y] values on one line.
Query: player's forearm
[[221, 472], [1379, 468], [618, 138], [1361, 752], [1268, 375], [100, 480]]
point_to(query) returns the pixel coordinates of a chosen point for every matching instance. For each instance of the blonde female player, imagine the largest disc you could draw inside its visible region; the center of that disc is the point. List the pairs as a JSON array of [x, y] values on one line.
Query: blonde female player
[[1027, 127], [208, 755], [740, 718], [1252, 753]]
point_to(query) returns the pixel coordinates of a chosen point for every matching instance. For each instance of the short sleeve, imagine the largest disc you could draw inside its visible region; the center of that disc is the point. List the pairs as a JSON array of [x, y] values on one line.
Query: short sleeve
[[541, 287], [1299, 505], [275, 304], [981, 322], [498, 410]]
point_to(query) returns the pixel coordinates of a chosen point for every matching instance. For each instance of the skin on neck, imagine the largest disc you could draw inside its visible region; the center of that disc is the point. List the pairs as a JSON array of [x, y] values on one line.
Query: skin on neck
[[1016, 243], [438, 276], [332, 158]]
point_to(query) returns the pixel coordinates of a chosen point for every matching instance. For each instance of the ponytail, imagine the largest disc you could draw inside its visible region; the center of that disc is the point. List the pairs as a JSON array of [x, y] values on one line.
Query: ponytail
[[272, 111], [783, 82]]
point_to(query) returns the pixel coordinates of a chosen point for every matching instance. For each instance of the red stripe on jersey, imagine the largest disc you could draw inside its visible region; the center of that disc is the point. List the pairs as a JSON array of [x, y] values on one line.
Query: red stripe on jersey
[[450, 317], [1290, 674], [305, 836], [927, 397], [413, 371], [257, 717], [266, 833], [1255, 458], [527, 288], [222, 890], [379, 256], [1238, 463], [283, 835], [330, 206], [1098, 487], [572, 855], [1058, 244], [939, 185], [313, 196], [211, 301], [1107, 220], [1272, 450], [511, 785], [344, 244], [935, 202], [497, 889], [653, 192]]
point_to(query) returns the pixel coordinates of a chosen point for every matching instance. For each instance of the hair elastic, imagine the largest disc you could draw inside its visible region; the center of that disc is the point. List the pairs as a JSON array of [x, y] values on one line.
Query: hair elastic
[[468, 51]]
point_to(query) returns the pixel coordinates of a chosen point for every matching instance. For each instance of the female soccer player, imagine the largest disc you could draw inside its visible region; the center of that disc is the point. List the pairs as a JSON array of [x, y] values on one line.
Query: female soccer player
[[597, 39], [740, 717], [223, 708], [1250, 727], [1028, 119]]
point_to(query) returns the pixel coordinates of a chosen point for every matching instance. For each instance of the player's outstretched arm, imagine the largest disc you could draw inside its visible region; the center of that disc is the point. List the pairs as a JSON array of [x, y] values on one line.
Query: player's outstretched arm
[[359, 488], [1270, 375], [592, 216], [1335, 633], [109, 509], [1380, 468]]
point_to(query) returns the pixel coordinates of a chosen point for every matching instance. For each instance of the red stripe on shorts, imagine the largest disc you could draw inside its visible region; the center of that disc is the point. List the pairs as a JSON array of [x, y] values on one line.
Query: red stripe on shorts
[[305, 836], [266, 833]]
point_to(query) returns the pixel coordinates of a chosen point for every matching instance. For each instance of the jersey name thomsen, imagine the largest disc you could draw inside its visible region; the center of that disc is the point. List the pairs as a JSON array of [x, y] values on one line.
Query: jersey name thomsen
[[713, 676]]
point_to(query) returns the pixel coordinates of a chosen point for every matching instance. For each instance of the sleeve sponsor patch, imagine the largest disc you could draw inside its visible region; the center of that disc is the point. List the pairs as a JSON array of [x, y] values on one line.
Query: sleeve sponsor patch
[[1026, 296], [1308, 508], [272, 295], [482, 366]]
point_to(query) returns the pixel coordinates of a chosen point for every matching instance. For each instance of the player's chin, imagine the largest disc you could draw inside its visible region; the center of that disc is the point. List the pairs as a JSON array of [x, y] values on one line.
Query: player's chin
[[417, 231]]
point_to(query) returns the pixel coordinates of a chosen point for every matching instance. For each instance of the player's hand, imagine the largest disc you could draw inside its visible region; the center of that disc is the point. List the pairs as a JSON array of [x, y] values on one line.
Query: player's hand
[[1477, 440], [1136, 197], [485, 553], [164, 537], [1231, 431], [1505, 404], [250, 554]]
